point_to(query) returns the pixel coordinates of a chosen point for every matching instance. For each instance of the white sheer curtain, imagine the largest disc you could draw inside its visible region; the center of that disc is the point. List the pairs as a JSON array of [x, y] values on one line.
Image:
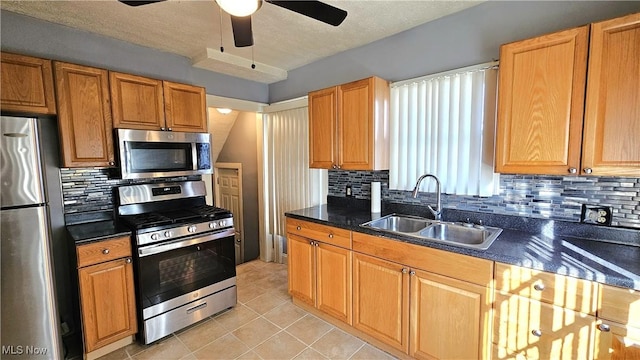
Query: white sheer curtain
[[289, 184], [444, 125]]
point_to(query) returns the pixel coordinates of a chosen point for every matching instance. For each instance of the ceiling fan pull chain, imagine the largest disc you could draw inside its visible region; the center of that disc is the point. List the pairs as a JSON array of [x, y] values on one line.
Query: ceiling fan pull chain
[[253, 62], [220, 17]]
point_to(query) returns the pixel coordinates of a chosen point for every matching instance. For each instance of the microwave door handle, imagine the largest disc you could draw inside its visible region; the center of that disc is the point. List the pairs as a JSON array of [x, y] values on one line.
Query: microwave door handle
[[156, 249], [194, 156]]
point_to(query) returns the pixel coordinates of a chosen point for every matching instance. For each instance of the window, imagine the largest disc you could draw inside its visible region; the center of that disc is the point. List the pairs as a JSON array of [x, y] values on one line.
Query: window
[[444, 124]]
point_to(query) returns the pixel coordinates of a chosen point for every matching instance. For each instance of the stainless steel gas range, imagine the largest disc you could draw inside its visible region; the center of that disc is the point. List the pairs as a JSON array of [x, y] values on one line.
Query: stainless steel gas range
[[184, 255]]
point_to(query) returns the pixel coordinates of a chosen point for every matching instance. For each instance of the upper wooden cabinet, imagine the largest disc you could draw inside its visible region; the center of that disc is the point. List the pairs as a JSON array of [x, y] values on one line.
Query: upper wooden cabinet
[[84, 115], [136, 102], [612, 115], [149, 104], [27, 85], [540, 103], [348, 126], [185, 107], [543, 126]]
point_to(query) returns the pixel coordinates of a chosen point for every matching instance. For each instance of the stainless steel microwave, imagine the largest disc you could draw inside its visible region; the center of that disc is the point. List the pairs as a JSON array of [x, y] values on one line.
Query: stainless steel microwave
[[149, 154]]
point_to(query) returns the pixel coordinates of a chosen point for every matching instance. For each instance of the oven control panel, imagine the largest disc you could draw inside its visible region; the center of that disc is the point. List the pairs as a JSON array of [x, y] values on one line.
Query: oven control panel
[[152, 236]]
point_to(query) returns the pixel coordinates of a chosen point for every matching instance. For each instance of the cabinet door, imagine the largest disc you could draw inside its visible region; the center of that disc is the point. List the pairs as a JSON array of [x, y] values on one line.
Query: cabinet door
[[541, 103], [450, 319], [322, 128], [301, 266], [107, 300], [355, 125], [612, 118], [333, 293], [185, 107], [136, 102], [84, 115], [530, 329], [381, 300], [27, 85], [616, 342]]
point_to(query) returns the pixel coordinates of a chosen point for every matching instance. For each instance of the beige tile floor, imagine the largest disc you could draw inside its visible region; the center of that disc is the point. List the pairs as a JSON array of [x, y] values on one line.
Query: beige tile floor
[[264, 325]]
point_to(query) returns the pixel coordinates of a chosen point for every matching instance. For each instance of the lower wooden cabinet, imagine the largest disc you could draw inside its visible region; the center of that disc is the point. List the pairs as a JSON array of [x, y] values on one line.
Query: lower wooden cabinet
[[107, 294], [320, 275], [530, 329], [616, 341], [450, 319], [381, 300]]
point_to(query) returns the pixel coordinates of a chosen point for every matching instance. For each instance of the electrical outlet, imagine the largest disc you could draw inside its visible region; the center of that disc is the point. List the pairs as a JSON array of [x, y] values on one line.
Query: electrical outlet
[[348, 191], [596, 214]]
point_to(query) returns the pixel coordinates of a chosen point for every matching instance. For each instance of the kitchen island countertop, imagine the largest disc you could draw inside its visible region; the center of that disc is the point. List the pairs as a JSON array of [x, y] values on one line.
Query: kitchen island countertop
[[546, 250]]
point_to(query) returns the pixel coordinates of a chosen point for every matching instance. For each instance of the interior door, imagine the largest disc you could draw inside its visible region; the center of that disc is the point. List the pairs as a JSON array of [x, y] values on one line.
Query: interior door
[[229, 186]]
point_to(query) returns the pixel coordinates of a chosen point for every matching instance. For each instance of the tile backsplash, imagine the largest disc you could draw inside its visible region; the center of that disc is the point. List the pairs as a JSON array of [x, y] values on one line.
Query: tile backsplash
[[539, 196], [89, 190]]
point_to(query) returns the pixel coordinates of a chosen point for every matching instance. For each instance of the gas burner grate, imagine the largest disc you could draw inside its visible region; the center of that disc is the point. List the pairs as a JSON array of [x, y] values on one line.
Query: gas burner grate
[[146, 220]]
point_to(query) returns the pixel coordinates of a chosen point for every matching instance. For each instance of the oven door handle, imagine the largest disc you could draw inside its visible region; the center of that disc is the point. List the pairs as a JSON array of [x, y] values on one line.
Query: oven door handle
[[159, 248]]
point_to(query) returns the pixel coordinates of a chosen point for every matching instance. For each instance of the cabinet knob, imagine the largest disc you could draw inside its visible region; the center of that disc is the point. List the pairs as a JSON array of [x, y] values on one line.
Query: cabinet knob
[[539, 286], [111, 163], [312, 243], [339, 167], [573, 171], [128, 260], [330, 236], [412, 272], [536, 332], [105, 251], [169, 129], [334, 166], [298, 228], [604, 327], [588, 170], [405, 270], [163, 129]]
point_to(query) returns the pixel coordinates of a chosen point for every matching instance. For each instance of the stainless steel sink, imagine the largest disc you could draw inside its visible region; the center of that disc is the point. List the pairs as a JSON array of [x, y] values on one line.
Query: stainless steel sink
[[399, 223], [458, 234]]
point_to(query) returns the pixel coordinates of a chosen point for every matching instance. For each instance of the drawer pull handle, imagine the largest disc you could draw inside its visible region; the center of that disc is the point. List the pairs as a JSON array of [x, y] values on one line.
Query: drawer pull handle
[[330, 236], [298, 228], [604, 328], [105, 251], [196, 308], [539, 286], [536, 332]]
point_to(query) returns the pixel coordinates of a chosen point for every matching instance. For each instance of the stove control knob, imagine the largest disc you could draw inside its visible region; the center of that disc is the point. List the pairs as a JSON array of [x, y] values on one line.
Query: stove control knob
[[155, 236], [191, 229], [167, 234], [222, 223], [212, 225]]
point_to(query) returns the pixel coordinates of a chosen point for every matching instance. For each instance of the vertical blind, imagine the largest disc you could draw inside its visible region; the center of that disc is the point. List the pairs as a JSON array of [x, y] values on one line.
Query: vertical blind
[[289, 184], [444, 125]]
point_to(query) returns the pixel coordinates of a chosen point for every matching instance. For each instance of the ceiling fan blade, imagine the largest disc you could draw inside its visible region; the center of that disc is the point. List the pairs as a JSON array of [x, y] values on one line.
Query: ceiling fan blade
[[139, 2], [242, 34], [314, 9]]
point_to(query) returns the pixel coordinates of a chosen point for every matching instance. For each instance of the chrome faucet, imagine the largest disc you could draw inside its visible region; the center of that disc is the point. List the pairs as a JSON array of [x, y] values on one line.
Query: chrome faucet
[[437, 213]]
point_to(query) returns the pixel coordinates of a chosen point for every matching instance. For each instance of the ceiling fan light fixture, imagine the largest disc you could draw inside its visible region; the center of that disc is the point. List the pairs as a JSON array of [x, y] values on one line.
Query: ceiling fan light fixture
[[239, 8]]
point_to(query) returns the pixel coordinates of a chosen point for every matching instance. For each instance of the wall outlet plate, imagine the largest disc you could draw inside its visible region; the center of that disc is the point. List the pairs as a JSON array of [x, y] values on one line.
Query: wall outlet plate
[[596, 214]]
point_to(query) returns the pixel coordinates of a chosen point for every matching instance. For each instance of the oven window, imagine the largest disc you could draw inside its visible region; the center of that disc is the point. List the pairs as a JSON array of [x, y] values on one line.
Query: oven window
[[144, 156], [177, 272]]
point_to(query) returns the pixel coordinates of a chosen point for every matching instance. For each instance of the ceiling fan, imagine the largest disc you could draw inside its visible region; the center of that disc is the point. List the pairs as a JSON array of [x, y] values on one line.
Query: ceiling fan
[[241, 11]]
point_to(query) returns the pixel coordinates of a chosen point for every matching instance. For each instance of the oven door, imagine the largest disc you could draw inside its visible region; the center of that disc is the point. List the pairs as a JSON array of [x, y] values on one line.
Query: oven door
[[174, 273]]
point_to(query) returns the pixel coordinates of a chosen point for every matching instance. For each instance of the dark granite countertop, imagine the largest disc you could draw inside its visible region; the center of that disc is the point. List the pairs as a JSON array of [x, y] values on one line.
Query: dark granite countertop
[[604, 255], [96, 231]]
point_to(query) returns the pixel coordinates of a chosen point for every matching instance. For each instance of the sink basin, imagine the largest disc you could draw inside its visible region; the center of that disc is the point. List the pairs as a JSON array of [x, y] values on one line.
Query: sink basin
[[455, 233], [466, 235], [399, 223]]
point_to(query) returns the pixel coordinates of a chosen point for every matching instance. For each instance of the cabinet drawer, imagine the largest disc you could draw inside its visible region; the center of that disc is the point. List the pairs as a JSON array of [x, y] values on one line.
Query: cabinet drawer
[[620, 305], [530, 329], [462, 267], [564, 291], [102, 251], [322, 233]]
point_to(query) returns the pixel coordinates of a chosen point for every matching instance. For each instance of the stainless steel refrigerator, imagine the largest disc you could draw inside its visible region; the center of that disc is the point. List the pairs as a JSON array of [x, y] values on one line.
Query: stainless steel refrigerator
[[30, 320]]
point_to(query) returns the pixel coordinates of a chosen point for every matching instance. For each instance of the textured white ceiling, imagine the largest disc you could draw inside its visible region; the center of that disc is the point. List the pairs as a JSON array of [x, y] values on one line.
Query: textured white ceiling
[[283, 39]]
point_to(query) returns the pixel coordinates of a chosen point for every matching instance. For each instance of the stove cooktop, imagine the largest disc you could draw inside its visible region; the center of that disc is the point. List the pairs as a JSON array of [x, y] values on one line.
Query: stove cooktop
[[166, 219]]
